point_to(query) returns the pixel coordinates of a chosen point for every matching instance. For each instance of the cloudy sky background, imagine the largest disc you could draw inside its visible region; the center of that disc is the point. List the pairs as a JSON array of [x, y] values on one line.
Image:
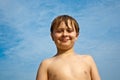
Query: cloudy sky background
[[25, 37]]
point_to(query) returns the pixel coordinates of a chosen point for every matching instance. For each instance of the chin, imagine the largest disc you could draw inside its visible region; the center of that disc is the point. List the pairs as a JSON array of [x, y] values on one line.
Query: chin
[[65, 47]]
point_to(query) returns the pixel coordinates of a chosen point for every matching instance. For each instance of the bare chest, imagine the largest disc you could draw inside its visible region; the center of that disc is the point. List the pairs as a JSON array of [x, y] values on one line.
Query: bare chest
[[69, 71]]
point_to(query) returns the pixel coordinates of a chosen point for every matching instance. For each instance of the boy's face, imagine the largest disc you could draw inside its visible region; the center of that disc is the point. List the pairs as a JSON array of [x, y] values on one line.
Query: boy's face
[[64, 36]]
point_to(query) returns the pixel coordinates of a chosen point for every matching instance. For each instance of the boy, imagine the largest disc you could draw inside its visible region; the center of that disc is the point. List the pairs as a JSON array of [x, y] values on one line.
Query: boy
[[66, 64]]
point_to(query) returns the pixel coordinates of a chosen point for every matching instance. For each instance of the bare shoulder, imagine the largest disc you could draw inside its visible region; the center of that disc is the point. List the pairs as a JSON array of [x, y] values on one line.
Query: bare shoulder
[[87, 58], [42, 70], [46, 62]]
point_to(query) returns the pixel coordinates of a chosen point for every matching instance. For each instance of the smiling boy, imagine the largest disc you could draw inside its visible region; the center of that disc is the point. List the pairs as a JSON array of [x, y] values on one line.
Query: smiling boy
[[67, 64]]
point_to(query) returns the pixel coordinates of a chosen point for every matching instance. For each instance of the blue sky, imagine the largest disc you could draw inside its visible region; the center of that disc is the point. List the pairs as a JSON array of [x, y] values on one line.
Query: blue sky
[[25, 37]]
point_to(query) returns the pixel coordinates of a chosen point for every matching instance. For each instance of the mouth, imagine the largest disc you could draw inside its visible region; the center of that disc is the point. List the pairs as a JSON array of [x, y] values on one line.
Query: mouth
[[64, 40]]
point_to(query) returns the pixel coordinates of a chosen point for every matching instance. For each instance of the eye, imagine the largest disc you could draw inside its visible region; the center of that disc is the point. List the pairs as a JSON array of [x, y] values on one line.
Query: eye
[[59, 30], [69, 30]]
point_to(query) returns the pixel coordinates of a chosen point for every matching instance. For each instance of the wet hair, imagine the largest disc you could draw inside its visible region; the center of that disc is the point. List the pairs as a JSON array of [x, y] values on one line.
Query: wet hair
[[64, 18]]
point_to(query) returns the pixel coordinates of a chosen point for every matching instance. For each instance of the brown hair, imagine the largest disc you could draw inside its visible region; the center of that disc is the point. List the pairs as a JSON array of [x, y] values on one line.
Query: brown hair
[[56, 22]]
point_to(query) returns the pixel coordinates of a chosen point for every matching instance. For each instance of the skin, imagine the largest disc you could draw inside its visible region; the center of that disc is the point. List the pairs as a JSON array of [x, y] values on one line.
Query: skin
[[66, 64]]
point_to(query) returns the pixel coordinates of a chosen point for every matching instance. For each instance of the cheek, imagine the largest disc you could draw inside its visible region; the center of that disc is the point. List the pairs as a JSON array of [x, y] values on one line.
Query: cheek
[[55, 36], [74, 35]]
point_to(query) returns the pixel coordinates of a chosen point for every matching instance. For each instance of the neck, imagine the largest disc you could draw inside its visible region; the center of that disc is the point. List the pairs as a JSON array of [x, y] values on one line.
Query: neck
[[65, 52]]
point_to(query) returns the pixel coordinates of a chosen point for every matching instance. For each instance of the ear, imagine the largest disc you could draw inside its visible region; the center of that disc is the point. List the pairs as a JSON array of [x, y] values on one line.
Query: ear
[[52, 36], [77, 36]]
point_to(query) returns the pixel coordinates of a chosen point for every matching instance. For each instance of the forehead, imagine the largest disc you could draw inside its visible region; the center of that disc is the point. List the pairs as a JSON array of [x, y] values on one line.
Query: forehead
[[66, 24]]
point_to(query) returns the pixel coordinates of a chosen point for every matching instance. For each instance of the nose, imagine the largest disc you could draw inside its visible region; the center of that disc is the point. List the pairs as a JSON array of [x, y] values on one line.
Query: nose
[[65, 33]]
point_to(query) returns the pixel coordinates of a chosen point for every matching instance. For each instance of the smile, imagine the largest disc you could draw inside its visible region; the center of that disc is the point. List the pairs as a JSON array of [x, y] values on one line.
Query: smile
[[64, 40]]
